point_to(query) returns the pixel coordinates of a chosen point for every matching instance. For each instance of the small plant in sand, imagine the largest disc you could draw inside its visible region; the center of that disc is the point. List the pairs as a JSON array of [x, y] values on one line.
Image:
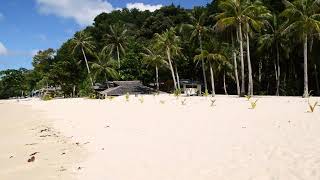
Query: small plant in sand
[[184, 102], [248, 97], [141, 99], [312, 106], [253, 104], [213, 101], [162, 101], [110, 98], [206, 93], [177, 93], [127, 97]]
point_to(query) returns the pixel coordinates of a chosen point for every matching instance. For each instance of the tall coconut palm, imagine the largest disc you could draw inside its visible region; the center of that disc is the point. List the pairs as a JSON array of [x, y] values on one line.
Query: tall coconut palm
[[211, 58], [273, 41], [169, 42], [154, 59], [304, 19], [104, 65], [239, 14], [232, 14], [116, 40], [198, 30], [255, 19], [84, 42]]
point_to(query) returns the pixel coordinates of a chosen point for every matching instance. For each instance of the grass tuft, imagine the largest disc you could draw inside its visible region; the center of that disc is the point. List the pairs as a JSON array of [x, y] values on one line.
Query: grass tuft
[[213, 102], [248, 97], [141, 99], [312, 106], [127, 97], [184, 102], [253, 104]]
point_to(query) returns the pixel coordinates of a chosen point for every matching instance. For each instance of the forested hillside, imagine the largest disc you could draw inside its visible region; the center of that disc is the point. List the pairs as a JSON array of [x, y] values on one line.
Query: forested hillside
[[267, 47]]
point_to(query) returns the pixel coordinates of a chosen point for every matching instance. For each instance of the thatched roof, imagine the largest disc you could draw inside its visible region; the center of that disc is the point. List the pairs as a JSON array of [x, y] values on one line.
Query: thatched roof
[[124, 87]]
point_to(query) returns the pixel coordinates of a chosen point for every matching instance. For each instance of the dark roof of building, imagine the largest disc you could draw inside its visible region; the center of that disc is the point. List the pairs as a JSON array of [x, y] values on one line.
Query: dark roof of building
[[124, 87]]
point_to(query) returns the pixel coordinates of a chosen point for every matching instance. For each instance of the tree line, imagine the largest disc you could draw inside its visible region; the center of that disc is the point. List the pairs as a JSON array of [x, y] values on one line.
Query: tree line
[[243, 47]]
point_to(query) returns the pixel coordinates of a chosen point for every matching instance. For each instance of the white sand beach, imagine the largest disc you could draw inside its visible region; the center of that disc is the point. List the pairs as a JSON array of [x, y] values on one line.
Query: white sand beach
[[160, 139]]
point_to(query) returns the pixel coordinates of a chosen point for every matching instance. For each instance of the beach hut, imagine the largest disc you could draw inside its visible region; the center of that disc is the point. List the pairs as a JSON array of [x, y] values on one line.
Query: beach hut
[[119, 88]]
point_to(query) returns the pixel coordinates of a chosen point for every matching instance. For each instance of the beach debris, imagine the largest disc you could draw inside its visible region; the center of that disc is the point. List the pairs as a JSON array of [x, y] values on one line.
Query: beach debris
[[31, 144], [62, 169], [77, 143], [86, 142], [11, 157], [162, 102], [44, 130], [102, 149], [31, 159], [107, 126], [34, 153], [244, 127], [63, 153], [79, 168], [48, 135]]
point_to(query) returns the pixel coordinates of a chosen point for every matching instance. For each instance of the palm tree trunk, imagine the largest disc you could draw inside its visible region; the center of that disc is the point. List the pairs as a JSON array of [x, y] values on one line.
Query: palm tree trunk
[[316, 78], [212, 80], [118, 54], [224, 83], [177, 75], [250, 87], [157, 77], [235, 67], [171, 68], [203, 66], [306, 90], [243, 91], [278, 72], [88, 69]]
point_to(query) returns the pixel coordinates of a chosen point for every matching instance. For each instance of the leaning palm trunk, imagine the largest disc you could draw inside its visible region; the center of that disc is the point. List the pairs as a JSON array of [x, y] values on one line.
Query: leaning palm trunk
[[306, 90], [243, 91], [157, 77], [212, 80], [118, 54], [235, 67], [203, 68], [250, 84], [177, 75], [88, 69], [224, 83], [171, 68]]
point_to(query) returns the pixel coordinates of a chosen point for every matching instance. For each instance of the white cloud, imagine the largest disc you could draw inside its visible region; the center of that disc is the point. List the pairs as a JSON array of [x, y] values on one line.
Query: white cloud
[[143, 7], [3, 50], [82, 11]]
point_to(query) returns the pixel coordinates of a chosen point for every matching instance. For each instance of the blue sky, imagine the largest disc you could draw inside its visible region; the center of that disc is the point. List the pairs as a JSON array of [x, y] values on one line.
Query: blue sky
[[27, 26]]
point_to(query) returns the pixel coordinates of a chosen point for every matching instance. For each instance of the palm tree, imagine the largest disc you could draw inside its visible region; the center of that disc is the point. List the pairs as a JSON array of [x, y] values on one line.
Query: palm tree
[[198, 29], [104, 65], [238, 13], [169, 42], [233, 13], [154, 59], [256, 19], [83, 41], [211, 58], [116, 40], [303, 18], [273, 41]]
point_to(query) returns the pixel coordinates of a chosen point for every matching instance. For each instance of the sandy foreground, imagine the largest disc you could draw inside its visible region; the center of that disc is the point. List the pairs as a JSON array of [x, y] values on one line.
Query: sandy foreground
[[160, 138]]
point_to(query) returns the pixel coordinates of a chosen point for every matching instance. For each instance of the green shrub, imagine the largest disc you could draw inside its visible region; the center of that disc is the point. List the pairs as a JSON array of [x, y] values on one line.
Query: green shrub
[[46, 97], [127, 97], [177, 92]]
